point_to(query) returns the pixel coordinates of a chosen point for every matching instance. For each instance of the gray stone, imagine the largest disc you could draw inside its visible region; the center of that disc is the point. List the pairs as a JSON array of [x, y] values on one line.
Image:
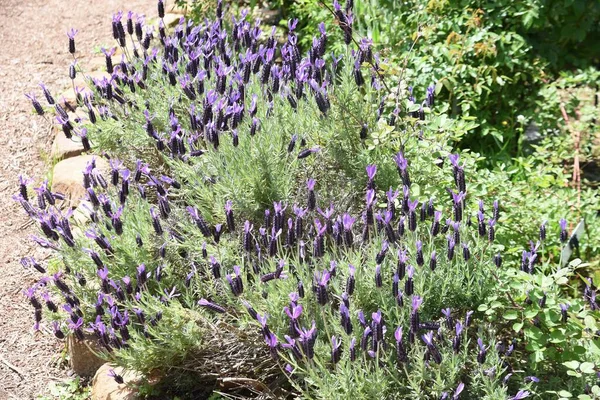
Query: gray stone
[[104, 386], [65, 148], [171, 20], [67, 177], [82, 355]]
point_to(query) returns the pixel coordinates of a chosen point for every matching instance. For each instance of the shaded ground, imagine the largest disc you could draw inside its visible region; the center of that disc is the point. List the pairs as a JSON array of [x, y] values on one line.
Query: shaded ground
[[33, 48]]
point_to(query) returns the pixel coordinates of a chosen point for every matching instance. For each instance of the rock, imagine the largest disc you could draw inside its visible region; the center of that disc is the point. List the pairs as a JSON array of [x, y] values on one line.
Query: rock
[[269, 17], [95, 63], [65, 148], [69, 98], [67, 177], [80, 83], [82, 358], [104, 386], [82, 214], [83, 80], [171, 20]]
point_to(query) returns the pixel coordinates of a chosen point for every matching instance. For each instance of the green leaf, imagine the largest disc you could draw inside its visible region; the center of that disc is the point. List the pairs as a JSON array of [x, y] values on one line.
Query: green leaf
[[517, 326], [573, 364], [587, 368], [557, 337], [595, 347], [531, 313], [564, 393], [510, 315], [590, 322]]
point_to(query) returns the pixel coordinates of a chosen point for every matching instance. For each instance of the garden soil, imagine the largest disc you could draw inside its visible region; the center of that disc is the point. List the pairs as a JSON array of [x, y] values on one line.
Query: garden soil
[[33, 49]]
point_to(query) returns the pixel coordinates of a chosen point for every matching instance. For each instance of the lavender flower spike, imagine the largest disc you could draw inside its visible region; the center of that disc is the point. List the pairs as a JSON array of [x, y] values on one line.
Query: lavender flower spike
[[211, 306], [521, 394], [71, 34], [336, 350], [563, 230]]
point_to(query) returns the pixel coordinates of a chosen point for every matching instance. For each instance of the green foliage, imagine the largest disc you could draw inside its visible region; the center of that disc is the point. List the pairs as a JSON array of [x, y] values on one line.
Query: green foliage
[[491, 59], [559, 331], [70, 389], [486, 74]]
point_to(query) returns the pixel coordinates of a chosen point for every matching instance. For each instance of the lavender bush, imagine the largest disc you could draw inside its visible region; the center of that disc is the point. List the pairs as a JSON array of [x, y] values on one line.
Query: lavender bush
[[280, 218]]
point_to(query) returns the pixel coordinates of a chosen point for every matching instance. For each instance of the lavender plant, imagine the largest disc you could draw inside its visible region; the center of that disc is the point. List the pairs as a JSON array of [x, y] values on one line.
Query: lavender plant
[[255, 218]]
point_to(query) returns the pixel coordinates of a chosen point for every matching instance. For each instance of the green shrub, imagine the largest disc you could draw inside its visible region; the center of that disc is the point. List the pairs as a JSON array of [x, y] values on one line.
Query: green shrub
[[182, 275]]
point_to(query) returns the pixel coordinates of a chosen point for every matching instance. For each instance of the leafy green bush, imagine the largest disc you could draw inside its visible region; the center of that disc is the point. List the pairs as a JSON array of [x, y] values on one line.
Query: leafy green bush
[[492, 59], [247, 202]]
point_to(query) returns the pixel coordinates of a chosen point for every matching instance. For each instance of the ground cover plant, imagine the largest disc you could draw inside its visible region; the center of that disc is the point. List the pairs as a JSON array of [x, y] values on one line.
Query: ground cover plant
[[289, 223]]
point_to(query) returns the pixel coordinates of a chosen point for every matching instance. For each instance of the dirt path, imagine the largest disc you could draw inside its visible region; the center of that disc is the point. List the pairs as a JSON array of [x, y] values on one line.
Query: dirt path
[[33, 48]]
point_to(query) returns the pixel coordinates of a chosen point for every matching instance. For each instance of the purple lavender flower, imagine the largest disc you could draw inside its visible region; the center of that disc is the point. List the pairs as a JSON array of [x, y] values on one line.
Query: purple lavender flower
[[414, 316], [347, 222], [498, 260], [402, 165], [456, 341], [161, 9], [336, 350], [211, 306], [350, 282], [491, 230], [481, 356], [378, 280], [432, 349], [229, 215], [371, 171], [312, 200], [321, 280], [412, 215], [458, 391], [71, 34], [47, 94], [419, 257], [401, 266], [35, 103], [564, 235], [466, 252], [118, 378], [468, 318], [307, 152], [156, 222], [401, 353], [563, 312], [521, 394]]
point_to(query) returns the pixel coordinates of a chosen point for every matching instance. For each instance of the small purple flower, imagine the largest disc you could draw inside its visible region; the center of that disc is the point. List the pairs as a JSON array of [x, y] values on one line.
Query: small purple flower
[[371, 171], [563, 230], [71, 35], [468, 317], [118, 378], [563, 312], [336, 350], [458, 391], [211, 306], [294, 312], [481, 356], [273, 344], [521, 394], [307, 152], [454, 159]]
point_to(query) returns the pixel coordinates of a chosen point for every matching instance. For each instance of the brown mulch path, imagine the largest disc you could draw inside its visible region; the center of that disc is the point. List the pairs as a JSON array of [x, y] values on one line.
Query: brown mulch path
[[33, 49]]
